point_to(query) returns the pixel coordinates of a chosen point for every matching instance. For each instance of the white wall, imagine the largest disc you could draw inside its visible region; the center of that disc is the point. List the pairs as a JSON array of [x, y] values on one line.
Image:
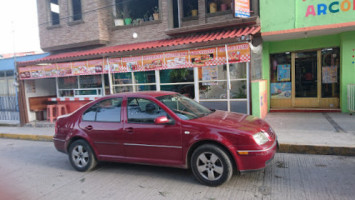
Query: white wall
[[38, 88]]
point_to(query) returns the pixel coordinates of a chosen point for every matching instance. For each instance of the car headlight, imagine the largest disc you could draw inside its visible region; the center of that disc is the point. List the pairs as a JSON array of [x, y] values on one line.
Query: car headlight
[[261, 138]]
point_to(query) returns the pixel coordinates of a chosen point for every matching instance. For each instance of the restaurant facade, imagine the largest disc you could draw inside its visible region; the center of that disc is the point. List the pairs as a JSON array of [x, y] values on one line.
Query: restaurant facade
[[308, 54]]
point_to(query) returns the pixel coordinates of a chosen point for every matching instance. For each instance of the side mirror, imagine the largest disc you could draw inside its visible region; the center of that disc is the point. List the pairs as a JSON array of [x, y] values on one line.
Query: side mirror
[[162, 120]]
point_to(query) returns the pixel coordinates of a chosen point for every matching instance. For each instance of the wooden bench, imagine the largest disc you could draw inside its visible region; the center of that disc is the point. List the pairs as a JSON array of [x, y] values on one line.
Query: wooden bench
[[39, 103]]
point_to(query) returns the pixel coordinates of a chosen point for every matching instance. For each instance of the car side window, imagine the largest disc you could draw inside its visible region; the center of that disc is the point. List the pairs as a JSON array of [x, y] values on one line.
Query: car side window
[[108, 110], [144, 111]]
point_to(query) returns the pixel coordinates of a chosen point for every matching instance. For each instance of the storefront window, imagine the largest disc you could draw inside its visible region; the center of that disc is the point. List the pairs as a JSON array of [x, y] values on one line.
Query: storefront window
[[78, 86], [330, 72], [177, 75], [134, 81], [213, 90], [68, 82], [178, 80], [280, 75], [144, 77], [238, 90], [238, 71]]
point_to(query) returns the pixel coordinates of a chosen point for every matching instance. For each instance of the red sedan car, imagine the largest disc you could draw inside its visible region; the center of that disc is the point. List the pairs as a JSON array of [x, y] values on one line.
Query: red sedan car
[[167, 129]]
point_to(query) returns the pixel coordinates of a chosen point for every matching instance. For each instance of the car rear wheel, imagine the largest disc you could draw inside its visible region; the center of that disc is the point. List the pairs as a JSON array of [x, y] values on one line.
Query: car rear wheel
[[81, 156], [211, 165]]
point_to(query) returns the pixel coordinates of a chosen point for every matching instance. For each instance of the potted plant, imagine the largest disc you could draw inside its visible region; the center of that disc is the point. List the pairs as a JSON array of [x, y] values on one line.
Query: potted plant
[[156, 13], [119, 18], [126, 12]]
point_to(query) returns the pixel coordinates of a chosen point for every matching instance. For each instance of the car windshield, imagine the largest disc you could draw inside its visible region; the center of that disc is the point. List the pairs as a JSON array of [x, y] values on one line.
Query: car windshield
[[185, 108]]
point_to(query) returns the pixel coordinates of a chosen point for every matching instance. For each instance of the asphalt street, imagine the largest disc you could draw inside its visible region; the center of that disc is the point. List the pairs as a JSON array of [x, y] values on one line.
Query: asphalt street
[[35, 170]]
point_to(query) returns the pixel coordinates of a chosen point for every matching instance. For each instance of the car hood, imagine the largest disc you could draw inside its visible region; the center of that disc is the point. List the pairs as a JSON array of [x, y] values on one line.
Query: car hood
[[242, 122]]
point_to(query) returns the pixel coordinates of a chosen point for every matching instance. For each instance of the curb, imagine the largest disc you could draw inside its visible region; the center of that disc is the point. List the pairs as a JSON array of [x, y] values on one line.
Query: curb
[[319, 150], [45, 138], [284, 148]]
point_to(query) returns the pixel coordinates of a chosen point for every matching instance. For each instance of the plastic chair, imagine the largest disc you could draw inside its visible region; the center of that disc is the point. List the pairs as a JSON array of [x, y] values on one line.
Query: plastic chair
[[61, 109], [51, 113]]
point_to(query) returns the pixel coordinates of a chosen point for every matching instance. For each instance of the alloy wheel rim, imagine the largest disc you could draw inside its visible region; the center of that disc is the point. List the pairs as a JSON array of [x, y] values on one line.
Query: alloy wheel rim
[[210, 166], [80, 156]]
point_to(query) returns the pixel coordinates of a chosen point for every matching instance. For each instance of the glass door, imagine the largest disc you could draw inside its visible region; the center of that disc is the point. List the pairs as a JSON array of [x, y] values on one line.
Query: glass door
[[306, 84]]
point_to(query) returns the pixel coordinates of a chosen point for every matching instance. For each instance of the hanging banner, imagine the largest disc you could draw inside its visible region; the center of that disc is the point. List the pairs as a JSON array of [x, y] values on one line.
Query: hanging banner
[[132, 64], [95, 66], [24, 72], [37, 72], [115, 64], [176, 59], [50, 71], [80, 68], [203, 57], [242, 8], [64, 69], [236, 53], [152, 62]]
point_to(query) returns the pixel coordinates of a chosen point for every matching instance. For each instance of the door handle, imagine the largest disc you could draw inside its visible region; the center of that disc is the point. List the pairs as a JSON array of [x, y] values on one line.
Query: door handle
[[88, 127], [129, 130]]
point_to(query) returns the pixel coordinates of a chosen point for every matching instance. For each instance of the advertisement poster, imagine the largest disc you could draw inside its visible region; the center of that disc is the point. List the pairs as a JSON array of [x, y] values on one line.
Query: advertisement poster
[[115, 64], [210, 73], [37, 72], [283, 73], [236, 53], [95, 66], [80, 68], [177, 59], [281, 90], [132, 63], [50, 70], [242, 8], [330, 74], [24, 72], [203, 57], [152, 62], [64, 69]]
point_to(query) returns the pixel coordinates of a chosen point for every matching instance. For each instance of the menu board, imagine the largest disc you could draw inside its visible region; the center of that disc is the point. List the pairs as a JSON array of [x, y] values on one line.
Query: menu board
[[50, 70], [132, 63], [95, 66], [80, 68], [203, 57], [24, 72], [115, 64], [176, 59], [236, 53], [64, 69], [152, 62]]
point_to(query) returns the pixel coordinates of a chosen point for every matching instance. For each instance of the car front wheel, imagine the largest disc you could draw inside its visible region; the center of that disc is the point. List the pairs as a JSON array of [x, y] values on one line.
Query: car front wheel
[[81, 156], [211, 165]]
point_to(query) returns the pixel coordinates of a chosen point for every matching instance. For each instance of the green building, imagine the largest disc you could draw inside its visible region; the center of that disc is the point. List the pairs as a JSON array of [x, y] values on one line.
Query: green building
[[308, 53]]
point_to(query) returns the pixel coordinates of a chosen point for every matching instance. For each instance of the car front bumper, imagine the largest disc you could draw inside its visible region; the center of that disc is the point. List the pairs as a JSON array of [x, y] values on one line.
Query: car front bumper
[[252, 160]]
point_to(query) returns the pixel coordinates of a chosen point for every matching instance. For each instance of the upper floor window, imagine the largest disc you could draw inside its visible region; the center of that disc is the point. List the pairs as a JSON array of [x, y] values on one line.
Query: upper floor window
[[54, 12], [190, 8], [76, 10], [135, 12], [215, 6]]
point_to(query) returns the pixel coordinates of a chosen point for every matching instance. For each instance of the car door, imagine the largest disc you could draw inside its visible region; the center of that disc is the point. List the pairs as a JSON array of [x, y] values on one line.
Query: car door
[[146, 141], [102, 123]]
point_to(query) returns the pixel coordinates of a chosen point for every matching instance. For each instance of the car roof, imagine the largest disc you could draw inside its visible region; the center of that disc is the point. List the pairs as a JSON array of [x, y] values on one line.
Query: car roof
[[143, 94]]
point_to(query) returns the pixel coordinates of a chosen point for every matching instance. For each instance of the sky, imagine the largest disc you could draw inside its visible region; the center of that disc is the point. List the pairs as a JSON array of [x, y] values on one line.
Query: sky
[[19, 26]]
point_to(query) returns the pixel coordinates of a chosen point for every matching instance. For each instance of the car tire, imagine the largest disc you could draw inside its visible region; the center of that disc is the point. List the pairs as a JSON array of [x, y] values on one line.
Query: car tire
[[81, 156], [211, 165]]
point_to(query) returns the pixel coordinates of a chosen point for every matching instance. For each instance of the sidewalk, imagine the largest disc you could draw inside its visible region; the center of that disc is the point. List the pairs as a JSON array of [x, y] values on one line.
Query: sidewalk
[[313, 133]]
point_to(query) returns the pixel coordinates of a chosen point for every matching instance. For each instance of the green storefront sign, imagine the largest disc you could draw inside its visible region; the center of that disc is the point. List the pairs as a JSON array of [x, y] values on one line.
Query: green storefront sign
[[279, 15]]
